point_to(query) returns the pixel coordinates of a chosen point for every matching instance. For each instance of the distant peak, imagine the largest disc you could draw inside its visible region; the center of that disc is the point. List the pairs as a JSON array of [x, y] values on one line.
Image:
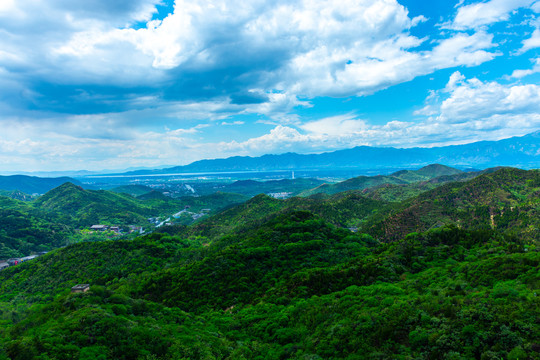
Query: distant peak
[[434, 170], [70, 185]]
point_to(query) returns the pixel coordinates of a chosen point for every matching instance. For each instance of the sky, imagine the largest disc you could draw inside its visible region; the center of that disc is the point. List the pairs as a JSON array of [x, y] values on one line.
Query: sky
[[103, 84]]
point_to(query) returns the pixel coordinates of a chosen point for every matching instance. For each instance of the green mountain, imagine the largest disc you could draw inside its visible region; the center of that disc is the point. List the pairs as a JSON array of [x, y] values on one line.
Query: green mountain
[[297, 287], [80, 207], [152, 195], [50, 220], [506, 199], [345, 210], [398, 178], [398, 193], [24, 230], [451, 273], [435, 170]]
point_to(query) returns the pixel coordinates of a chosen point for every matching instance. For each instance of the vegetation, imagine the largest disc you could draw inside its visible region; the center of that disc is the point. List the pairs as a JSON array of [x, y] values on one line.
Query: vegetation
[[297, 288], [59, 217], [252, 187], [507, 199], [286, 279], [133, 190], [400, 178]]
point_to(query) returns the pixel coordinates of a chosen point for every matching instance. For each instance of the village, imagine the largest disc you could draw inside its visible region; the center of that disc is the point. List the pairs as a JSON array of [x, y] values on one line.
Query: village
[[115, 231]]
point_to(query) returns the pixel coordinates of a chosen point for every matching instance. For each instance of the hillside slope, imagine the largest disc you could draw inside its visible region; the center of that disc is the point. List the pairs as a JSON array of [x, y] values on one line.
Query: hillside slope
[[346, 209], [507, 199], [81, 207], [402, 177], [295, 288], [24, 230]]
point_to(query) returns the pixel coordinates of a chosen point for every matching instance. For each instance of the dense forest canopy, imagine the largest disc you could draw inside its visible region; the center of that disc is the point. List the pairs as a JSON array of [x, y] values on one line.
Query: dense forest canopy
[[450, 273]]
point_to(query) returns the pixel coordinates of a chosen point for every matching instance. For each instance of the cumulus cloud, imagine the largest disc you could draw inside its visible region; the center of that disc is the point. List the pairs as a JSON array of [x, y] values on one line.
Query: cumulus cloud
[[281, 137], [109, 74], [335, 125], [464, 110], [216, 50], [519, 73], [472, 99], [531, 43], [485, 13]]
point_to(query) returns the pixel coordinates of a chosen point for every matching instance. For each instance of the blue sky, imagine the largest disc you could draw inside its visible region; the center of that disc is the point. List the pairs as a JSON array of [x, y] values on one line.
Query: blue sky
[[114, 84]]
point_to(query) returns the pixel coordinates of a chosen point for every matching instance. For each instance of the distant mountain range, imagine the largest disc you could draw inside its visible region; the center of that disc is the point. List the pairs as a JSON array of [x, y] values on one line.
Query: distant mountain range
[[33, 184], [522, 152]]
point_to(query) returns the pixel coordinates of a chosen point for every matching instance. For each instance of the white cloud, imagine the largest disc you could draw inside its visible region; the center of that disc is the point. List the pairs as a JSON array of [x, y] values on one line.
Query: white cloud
[[192, 130], [335, 125], [485, 13], [464, 110], [474, 100], [308, 48], [280, 139], [455, 80], [531, 43], [522, 73], [7, 7], [211, 60], [233, 123], [384, 64]]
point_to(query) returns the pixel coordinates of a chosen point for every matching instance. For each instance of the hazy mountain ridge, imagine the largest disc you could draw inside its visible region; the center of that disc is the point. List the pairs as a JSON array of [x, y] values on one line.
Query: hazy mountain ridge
[[33, 184], [523, 152]]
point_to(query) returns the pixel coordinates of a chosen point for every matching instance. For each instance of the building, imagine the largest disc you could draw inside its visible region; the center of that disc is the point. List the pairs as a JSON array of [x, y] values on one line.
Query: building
[[79, 288], [280, 195], [99, 227]]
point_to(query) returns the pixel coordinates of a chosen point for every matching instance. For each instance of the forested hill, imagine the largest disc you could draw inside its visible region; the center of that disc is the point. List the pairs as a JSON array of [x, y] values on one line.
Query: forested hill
[[346, 209], [294, 288], [80, 207], [507, 199], [57, 218], [286, 279], [402, 177]]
